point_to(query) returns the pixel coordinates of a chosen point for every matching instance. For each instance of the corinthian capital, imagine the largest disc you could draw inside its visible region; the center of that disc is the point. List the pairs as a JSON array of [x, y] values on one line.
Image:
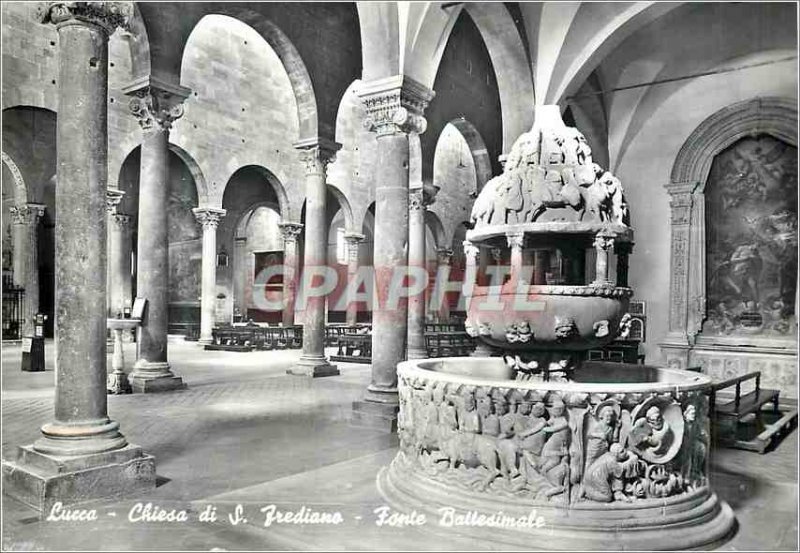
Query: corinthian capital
[[26, 214], [106, 15], [290, 231], [316, 154], [603, 241], [156, 104], [395, 105], [208, 217]]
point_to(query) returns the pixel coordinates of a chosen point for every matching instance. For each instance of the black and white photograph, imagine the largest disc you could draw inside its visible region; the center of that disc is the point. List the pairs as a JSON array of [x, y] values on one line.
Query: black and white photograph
[[399, 276]]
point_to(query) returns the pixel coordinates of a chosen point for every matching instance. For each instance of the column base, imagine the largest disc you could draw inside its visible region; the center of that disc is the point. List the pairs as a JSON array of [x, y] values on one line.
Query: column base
[[417, 353], [379, 416], [39, 480], [117, 383], [205, 341], [149, 377], [315, 367]]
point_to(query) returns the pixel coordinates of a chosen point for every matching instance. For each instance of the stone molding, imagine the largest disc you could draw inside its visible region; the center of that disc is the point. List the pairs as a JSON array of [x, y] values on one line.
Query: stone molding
[[156, 104], [27, 214], [113, 198], [316, 154], [105, 15], [120, 220], [208, 217], [395, 105], [290, 231], [768, 115]]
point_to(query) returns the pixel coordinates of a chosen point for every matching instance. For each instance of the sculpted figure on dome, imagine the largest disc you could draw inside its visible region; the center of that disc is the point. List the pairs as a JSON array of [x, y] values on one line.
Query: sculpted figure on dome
[[550, 168]]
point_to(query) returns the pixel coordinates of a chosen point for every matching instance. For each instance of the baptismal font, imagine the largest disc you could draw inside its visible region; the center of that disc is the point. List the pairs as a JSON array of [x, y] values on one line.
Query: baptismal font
[[609, 456]]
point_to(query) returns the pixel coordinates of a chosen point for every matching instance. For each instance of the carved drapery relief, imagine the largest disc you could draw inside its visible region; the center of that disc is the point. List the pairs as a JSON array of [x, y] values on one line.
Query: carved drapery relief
[[775, 117], [554, 445]]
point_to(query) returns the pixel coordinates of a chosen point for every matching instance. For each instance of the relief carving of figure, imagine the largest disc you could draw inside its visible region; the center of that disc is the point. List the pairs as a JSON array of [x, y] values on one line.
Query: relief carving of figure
[[651, 432], [602, 432], [555, 453], [605, 477], [657, 431], [695, 446]]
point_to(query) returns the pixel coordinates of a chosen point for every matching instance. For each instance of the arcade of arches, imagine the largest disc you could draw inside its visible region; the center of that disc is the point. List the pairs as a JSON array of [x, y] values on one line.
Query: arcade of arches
[[174, 151]]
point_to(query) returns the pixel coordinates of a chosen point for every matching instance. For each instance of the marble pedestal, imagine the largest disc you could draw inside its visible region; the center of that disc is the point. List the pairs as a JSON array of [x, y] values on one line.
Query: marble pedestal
[[380, 416], [40, 480]]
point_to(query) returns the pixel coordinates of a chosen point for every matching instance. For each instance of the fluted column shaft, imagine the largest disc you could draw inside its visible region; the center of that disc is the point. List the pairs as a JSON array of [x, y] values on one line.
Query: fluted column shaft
[[25, 224], [291, 234], [156, 105], [315, 156], [353, 241], [81, 423], [209, 219]]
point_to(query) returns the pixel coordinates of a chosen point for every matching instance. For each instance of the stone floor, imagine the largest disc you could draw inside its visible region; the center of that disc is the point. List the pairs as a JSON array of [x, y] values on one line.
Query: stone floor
[[244, 433]]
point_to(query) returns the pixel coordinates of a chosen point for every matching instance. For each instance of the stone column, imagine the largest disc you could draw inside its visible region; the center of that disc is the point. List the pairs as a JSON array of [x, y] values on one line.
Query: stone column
[[416, 258], [602, 243], [118, 252], [82, 456], [395, 106], [291, 234], [156, 105], [444, 256], [516, 241], [353, 240], [209, 218], [315, 154], [623, 251], [240, 267], [24, 227]]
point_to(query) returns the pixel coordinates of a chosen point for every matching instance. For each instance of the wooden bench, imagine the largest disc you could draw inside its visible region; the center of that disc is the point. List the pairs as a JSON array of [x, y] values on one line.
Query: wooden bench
[[449, 344], [354, 348], [727, 416]]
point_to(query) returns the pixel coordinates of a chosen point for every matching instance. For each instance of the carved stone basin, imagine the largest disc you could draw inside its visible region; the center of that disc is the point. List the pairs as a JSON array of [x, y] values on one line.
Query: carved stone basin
[[615, 459], [548, 317]]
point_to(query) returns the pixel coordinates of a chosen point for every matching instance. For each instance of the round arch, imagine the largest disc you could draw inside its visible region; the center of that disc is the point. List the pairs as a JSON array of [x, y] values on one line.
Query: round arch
[[20, 189], [434, 223], [248, 212], [477, 147], [687, 292], [194, 169], [344, 205], [201, 185], [274, 182], [768, 115], [295, 67]]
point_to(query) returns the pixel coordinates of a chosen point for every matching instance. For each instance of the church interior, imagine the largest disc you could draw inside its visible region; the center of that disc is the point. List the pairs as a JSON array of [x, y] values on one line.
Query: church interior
[[250, 251]]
